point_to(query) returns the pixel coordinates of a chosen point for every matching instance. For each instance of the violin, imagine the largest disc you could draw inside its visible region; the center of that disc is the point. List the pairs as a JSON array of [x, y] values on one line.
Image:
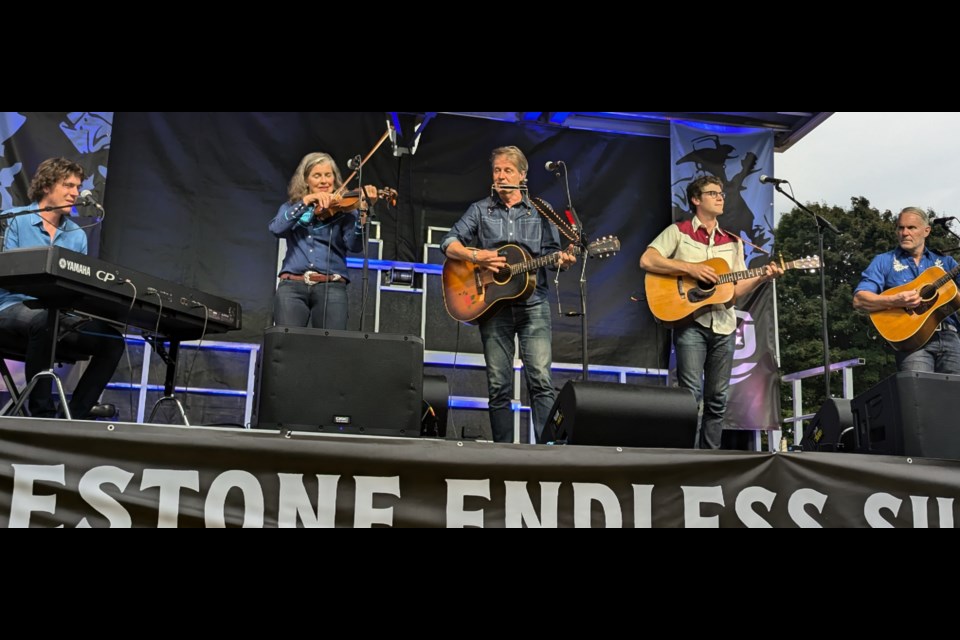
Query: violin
[[350, 200]]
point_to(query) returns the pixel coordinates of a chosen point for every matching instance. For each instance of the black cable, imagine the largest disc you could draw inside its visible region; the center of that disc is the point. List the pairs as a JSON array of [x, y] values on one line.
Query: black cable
[[99, 220], [156, 328], [453, 371], [365, 286], [203, 334], [363, 236], [126, 348], [326, 285]]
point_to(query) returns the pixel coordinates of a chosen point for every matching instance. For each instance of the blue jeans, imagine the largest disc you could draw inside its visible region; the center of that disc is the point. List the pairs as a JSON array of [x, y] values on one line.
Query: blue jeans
[[93, 337], [321, 306], [532, 326], [940, 355], [701, 353]]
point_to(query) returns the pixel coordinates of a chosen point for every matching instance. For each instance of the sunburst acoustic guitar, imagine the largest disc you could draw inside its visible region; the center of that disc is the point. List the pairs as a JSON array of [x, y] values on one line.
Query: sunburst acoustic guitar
[[471, 291]]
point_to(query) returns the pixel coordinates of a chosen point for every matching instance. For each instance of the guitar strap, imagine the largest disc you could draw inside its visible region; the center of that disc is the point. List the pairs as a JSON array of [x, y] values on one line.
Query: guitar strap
[[562, 225], [745, 241]]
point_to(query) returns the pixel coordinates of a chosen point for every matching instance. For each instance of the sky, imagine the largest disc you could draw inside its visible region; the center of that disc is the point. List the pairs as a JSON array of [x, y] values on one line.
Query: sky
[[894, 159]]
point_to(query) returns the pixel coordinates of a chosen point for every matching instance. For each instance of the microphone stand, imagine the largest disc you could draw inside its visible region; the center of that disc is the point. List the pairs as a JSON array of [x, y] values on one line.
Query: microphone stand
[[821, 223], [946, 227], [582, 239], [358, 160], [7, 216]]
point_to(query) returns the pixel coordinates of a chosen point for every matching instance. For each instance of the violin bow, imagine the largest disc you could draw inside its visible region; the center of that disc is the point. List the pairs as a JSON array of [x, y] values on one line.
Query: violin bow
[[380, 142]]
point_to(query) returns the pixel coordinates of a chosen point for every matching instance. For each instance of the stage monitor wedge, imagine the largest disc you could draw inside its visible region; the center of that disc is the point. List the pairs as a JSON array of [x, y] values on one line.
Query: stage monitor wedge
[[341, 382], [612, 414], [831, 429]]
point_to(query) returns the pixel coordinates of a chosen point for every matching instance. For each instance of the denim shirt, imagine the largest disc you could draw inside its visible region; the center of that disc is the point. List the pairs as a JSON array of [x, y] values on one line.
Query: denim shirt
[[894, 268], [489, 224], [27, 231], [319, 246]]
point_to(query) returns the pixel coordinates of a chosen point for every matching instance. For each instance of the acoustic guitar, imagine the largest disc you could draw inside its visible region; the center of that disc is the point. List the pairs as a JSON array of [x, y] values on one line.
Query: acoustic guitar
[[910, 329], [674, 299], [470, 291]]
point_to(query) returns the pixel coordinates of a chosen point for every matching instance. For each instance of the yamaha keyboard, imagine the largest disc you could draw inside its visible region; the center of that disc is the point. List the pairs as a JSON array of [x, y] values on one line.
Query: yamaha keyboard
[[70, 280]]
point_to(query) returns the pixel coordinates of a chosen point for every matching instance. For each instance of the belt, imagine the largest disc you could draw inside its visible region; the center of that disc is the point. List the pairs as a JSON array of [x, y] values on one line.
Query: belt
[[312, 277], [946, 326]]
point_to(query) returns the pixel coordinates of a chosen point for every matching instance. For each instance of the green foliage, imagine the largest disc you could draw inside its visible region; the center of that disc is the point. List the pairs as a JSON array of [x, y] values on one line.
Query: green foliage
[[865, 232]]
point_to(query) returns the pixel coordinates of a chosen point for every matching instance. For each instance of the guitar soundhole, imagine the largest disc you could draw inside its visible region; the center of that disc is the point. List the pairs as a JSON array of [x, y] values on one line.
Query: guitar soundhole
[[702, 291], [929, 295], [502, 276]]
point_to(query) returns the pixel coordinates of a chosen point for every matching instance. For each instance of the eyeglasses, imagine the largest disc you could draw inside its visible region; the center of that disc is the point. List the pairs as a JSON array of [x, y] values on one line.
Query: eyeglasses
[[714, 194]]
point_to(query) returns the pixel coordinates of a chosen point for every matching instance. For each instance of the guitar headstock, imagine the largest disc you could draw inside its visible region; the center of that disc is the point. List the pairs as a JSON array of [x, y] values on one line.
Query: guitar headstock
[[810, 262], [389, 195], [604, 247]]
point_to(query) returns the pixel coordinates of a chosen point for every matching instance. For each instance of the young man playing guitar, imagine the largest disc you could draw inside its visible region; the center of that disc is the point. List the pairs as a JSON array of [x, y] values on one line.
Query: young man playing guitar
[[705, 345], [508, 217], [894, 269]]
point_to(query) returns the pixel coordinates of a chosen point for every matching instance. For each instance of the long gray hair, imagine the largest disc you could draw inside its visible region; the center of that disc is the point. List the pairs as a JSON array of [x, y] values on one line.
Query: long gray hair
[[298, 183]]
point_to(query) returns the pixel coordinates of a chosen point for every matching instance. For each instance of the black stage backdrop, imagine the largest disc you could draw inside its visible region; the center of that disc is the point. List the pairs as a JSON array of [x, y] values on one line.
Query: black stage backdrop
[[190, 196]]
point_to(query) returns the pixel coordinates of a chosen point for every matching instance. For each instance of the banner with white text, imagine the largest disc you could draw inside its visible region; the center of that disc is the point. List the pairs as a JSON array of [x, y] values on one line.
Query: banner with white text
[[91, 474]]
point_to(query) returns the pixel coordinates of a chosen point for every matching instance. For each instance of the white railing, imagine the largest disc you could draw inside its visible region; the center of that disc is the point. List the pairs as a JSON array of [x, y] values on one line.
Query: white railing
[[795, 380]]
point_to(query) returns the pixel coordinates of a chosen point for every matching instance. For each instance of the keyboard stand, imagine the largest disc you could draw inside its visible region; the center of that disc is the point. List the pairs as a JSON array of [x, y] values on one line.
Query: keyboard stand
[[170, 358]]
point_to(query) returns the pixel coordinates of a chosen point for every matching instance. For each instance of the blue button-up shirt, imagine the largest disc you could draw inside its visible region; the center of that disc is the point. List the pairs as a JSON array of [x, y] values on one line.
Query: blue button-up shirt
[[27, 231], [317, 246], [489, 224], [895, 268]]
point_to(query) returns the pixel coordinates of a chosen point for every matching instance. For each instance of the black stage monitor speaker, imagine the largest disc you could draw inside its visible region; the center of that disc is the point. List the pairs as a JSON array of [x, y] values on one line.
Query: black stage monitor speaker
[[910, 414], [831, 429], [611, 414], [341, 382]]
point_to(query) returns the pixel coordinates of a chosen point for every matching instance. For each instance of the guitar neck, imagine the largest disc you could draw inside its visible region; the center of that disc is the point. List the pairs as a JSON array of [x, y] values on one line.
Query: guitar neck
[[947, 277], [735, 276], [542, 261]]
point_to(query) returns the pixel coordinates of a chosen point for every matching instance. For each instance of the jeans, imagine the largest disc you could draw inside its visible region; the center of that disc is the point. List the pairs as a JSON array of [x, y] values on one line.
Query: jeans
[[532, 326], [93, 337], [940, 355], [703, 353], [321, 306]]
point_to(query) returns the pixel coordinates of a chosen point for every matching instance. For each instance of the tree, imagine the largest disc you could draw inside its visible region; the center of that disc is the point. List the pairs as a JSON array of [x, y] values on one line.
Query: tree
[[865, 232]]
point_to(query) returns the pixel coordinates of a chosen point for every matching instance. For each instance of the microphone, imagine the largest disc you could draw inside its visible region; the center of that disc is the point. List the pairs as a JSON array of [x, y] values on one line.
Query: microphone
[[354, 163], [769, 180], [553, 166], [943, 221], [86, 199]]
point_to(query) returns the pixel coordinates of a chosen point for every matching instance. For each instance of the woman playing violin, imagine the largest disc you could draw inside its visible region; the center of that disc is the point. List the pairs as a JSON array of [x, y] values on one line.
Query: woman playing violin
[[320, 226]]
